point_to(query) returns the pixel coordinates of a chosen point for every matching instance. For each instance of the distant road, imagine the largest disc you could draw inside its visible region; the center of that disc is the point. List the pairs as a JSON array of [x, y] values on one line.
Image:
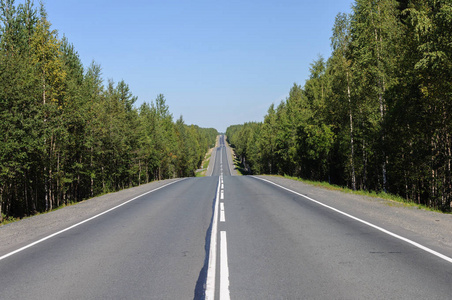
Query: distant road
[[231, 237]]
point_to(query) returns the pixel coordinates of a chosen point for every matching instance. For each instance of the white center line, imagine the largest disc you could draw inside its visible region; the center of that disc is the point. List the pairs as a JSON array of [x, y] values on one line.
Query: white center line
[[222, 216], [211, 269], [224, 269]]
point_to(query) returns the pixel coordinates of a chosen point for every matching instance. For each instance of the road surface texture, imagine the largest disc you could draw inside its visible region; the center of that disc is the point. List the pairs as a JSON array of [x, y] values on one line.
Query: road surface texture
[[228, 237]]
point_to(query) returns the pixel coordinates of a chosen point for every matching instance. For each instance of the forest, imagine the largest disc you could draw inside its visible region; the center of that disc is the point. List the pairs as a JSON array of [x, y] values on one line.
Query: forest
[[376, 115], [65, 134]]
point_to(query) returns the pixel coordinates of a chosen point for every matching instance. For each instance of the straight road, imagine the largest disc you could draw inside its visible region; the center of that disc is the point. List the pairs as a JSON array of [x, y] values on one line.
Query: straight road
[[150, 248], [230, 237], [282, 246], [222, 164]]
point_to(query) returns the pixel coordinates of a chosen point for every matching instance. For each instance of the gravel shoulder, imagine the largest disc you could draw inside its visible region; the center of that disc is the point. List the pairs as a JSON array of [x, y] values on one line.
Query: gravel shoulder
[[230, 154], [26, 231], [212, 157], [431, 229]]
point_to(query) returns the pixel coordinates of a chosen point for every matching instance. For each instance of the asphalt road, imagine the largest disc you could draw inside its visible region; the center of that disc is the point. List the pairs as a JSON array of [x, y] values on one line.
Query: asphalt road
[[282, 246], [151, 248], [229, 237]]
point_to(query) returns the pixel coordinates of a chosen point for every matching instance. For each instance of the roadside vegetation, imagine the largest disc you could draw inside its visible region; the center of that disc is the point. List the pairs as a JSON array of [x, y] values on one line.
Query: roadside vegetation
[[376, 115], [205, 164], [66, 134], [374, 194], [238, 165]]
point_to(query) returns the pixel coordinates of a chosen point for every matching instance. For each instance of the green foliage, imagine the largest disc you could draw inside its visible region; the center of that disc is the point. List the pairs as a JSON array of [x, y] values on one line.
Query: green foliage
[[376, 116], [64, 135]]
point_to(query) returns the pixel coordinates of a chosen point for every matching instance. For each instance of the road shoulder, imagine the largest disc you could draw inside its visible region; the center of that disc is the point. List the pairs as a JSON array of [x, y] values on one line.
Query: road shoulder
[[230, 155], [28, 230], [426, 227]]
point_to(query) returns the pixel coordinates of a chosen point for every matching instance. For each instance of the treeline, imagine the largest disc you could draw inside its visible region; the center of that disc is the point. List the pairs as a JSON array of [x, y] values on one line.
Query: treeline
[[376, 115], [65, 136]]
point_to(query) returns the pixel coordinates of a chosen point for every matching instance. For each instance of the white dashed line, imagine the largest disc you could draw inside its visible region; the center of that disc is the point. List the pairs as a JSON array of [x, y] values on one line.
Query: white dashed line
[[224, 269], [211, 269], [222, 216]]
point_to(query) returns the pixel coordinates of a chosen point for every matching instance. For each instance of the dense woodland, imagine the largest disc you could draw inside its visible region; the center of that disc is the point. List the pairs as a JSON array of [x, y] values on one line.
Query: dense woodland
[[376, 115], [65, 135]]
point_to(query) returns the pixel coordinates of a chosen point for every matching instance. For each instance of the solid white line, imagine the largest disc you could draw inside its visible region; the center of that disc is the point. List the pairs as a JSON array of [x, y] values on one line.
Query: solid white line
[[222, 215], [211, 269], [431, 251], [82, 222], [224, 269]]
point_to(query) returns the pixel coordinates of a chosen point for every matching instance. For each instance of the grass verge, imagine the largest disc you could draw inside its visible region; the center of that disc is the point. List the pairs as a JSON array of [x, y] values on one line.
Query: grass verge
[[205, 164], [11, 219], [239, 167], [381, 195]]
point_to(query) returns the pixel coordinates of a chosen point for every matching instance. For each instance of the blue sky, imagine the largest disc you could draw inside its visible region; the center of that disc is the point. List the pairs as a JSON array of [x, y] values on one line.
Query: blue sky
[[218, 63]]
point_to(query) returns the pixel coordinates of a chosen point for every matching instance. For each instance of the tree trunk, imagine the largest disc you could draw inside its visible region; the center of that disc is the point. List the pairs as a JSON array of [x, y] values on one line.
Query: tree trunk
[[58, 183], [103, 180], [51, 188], [352, 155], [139, 173], [1, 204], [25, 194], [91, 175], [381, 88], [364, 173]]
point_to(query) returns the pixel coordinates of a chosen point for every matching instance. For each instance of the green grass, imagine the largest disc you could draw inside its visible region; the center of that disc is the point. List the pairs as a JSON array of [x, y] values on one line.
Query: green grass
[[395, 200], [8, 220], [206, 161], [11, 219], [239, 167], [205, 165]]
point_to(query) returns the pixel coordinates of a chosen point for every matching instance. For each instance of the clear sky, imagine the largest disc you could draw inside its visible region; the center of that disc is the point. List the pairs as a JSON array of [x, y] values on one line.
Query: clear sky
[[218, 63]]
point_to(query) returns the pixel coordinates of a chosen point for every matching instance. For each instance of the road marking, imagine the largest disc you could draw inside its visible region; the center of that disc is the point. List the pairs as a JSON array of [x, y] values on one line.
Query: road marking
[[222, 216], [222, 195], [211, 269], [84, 221], [431, 251], [224, 269], [222, 186]]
